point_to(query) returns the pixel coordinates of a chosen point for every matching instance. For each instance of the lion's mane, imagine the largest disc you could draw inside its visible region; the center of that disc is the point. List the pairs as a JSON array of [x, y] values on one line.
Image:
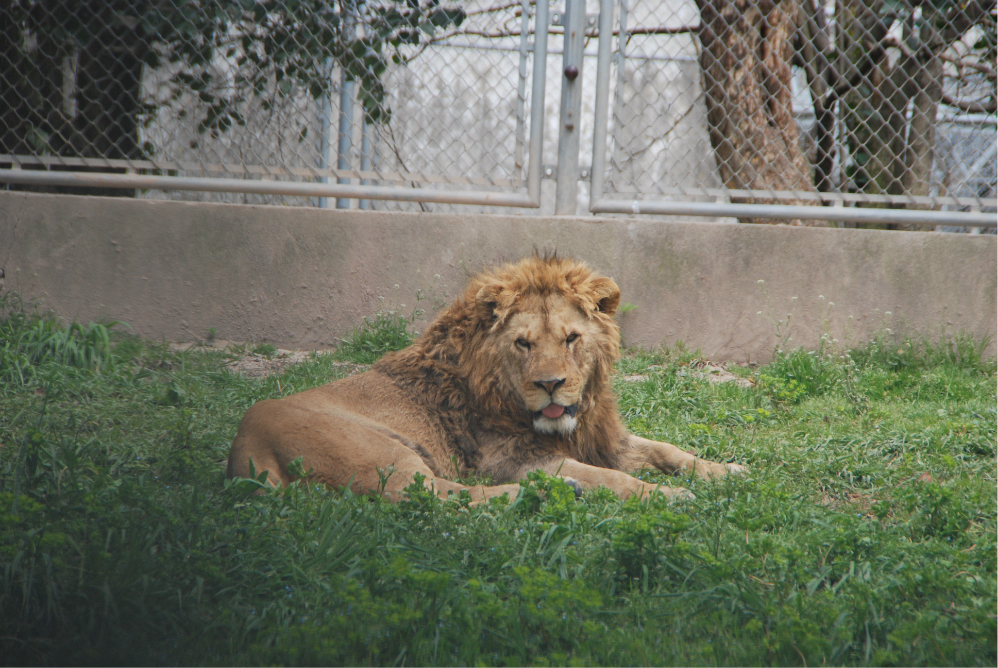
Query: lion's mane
[[456, 370]]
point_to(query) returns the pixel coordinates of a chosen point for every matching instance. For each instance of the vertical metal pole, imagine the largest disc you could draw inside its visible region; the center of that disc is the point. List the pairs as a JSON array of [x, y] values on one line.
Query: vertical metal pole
[[366, 153], [602, 99], [622, 39], [566, 194], [521, 88], [537, 93], [346, 111], [324, 126], [617, 157]]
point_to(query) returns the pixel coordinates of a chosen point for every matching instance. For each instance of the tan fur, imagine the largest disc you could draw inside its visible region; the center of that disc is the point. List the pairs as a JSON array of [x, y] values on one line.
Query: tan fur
[[468, 394]]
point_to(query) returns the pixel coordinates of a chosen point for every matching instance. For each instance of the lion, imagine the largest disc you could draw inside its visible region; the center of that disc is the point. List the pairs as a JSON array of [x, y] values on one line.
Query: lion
[[512, 377]]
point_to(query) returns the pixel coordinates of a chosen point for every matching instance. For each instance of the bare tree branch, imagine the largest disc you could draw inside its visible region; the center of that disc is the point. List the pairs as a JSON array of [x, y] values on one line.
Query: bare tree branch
[[973, 65], [496, 8], [556, 30], [656, 30], [971, 107]]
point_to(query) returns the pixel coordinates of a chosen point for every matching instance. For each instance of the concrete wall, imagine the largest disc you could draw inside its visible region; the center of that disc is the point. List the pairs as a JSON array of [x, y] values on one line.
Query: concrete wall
[[300, 277]]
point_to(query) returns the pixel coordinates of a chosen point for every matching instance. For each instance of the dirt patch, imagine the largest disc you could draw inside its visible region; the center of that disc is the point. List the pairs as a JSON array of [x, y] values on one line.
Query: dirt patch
[[715, 373], [254, 365]]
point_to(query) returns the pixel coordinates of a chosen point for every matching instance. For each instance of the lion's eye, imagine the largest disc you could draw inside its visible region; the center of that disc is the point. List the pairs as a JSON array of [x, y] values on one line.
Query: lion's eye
[[571, 337], [523, 343]]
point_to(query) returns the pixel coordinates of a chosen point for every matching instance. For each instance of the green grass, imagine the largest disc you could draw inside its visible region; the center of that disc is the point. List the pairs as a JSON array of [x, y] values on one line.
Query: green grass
[[121, 542], [382, 333]]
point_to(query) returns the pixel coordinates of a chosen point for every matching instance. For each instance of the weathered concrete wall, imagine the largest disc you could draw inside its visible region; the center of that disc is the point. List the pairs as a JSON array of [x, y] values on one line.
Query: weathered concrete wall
[[299, 277]]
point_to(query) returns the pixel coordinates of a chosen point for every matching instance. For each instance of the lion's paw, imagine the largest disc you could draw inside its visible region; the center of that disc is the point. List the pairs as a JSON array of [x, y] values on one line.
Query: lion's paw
[[574, 484], [708, 470], [682, 494], [675, 493]]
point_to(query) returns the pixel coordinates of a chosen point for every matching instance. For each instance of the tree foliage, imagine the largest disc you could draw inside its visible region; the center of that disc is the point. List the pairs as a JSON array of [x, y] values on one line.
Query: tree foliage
[[73, 70]]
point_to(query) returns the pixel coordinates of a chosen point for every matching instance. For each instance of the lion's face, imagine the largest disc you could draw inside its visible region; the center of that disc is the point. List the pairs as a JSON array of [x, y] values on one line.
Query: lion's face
[[548, 361], [551, 345]]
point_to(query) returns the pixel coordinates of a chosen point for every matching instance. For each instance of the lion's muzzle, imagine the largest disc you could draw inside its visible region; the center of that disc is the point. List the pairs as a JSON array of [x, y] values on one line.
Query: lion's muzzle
[[555, 418], [553, 411], [550, 385]]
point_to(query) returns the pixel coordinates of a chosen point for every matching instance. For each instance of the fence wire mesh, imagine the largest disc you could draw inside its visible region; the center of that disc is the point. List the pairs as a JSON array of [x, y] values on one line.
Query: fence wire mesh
[[872, 103], [432, 94]]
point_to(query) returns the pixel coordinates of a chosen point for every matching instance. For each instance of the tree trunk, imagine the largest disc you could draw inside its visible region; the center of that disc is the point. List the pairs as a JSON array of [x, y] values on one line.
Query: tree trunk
[[13, 107], [108, 95], [922, 74], [747, 47], [30, 71], [816, 50], [924, 71], [60, 100], [109, 87], [874, 99]]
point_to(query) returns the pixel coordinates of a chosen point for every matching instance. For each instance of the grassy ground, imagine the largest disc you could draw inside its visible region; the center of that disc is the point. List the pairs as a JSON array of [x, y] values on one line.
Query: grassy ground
[[864, 534]]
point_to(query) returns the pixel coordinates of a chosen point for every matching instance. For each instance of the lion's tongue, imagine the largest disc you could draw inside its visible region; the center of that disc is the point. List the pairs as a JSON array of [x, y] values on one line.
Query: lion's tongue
[[553, 411]]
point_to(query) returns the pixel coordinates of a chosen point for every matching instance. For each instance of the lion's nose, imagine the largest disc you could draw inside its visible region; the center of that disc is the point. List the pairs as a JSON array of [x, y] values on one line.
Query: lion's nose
[[550, 385]]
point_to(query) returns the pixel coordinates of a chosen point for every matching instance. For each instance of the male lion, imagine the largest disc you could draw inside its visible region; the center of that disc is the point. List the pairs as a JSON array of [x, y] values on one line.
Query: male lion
[[513, 376]]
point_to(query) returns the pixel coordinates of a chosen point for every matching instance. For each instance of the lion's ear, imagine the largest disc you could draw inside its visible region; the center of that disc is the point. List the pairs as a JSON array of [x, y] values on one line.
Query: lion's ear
[[488, 298], [606, 294]]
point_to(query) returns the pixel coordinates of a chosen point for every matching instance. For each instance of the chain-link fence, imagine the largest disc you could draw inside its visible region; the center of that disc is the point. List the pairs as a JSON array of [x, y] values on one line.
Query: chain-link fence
[[399, 95], [703, 107], [872, 104]]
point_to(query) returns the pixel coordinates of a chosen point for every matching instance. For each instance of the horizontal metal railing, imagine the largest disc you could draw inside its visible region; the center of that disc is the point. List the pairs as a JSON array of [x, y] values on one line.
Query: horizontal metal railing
[[235, 169], [791, 212]]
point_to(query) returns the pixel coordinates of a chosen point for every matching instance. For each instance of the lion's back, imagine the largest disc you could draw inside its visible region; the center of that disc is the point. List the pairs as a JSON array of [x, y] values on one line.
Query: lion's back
[[375, 396]]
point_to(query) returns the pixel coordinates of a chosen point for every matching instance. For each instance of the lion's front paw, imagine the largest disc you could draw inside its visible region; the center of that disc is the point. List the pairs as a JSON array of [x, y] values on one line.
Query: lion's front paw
[[707, 470], [674, 493], [681, 494], [575, 485]]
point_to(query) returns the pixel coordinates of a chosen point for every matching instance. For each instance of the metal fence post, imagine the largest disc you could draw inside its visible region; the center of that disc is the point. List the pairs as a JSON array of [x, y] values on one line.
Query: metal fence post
[[538, 86], [366, 156], [345, 135], [521, 89], [346, 111], [617, 111], [602, 110], [566, 194], [324, 126]]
